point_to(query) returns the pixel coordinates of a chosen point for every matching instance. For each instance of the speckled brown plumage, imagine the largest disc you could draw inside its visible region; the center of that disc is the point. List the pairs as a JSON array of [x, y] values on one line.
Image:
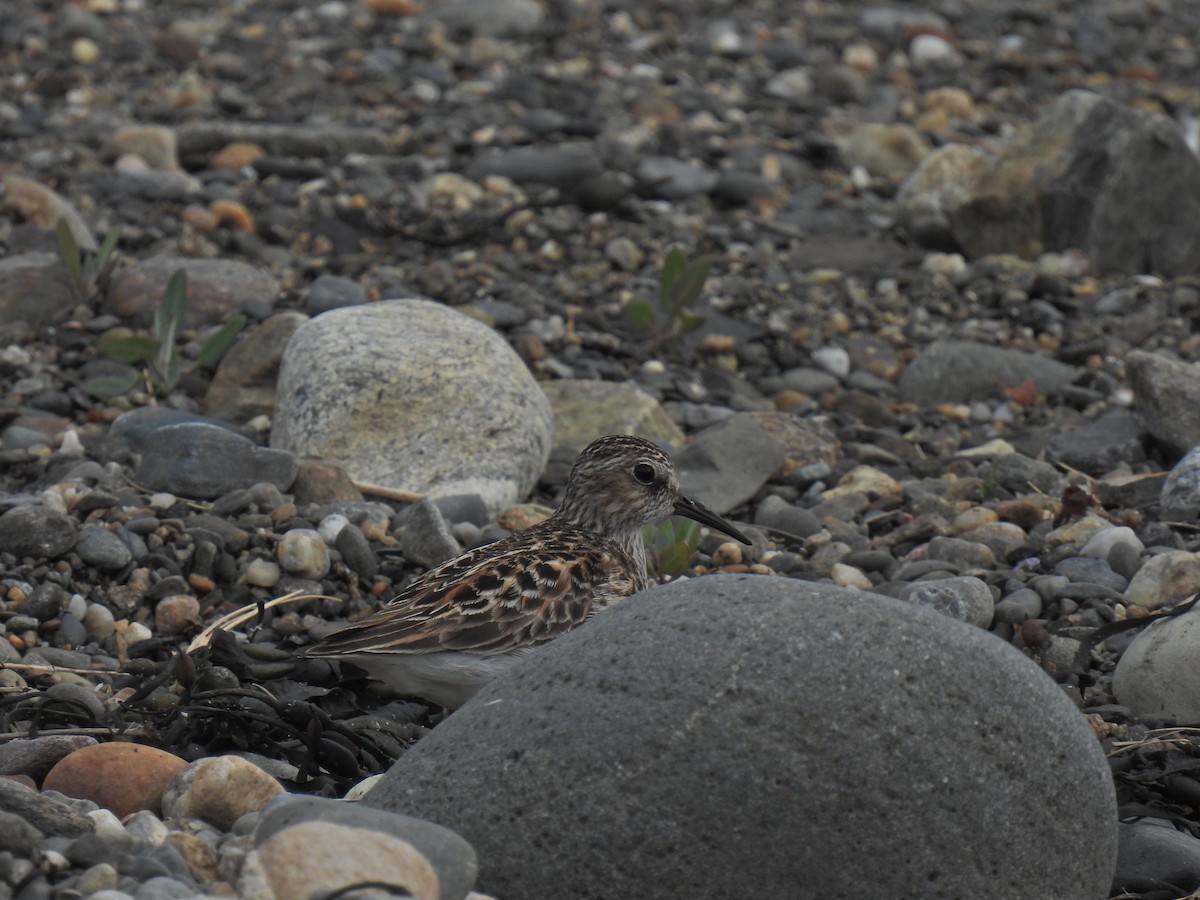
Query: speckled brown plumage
[[460, 624]]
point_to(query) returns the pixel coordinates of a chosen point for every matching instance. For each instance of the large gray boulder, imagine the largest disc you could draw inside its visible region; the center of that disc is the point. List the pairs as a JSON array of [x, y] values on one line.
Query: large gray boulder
[[741, 736], [958, 371], [410, 394]]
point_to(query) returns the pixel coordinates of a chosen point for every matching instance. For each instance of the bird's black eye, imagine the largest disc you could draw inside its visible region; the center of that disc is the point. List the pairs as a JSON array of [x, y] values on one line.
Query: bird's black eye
[[644, 473]]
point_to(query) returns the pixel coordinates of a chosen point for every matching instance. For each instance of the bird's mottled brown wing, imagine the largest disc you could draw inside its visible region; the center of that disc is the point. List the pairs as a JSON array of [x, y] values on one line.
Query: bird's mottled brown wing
[[520, 591]]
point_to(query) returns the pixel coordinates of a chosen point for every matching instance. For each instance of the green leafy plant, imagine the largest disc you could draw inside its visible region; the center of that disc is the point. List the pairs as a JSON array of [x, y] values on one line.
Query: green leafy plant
[[157, 353], [680, 285], [88, 269], [671, 546]]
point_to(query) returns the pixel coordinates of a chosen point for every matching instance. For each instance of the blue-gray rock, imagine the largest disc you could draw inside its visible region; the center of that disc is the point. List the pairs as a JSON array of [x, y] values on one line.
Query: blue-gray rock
[[562, 165], [782, 517], [1153, 849], [99, 547], [35, 288], [450, 855], [37, 532], [674, 179], [1019, 606], [136, 426], [958, 371], [1101, 445], [1017, 473], [411, 395], [687, 731], [496, 18], [333, 292], [203, 462], [727, 464], [1091, 570]]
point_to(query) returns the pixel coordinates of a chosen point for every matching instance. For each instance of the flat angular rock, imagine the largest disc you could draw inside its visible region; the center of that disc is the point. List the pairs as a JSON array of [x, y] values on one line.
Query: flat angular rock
[[204, 461], [585, 410], [410, 394], [1167, 398], [216, 289], [958, 371], [740, 736], [244, 384]]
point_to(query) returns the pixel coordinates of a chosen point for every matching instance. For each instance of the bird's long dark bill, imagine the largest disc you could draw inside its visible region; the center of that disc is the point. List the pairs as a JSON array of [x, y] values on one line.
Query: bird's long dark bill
[[705, 516]]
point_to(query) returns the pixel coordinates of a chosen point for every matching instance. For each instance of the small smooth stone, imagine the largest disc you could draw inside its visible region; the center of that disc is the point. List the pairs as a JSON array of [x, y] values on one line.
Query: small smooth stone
[[100, 877], [98, 621], [833, 360], [262, 573], [1159, 672], [848, 576], [1019, 606], [1101, 544], [1091, 570], [137, 632], [962, 553], [176, 614], [99, 547], [219, 790], [118, 776], [302, 552], [776, 513], [17, 836], [331, 526], [963, 597], [1153, 849]]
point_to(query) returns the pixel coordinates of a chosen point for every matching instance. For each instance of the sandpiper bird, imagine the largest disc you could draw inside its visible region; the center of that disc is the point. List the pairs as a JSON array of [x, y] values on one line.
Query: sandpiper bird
[[462, 623]]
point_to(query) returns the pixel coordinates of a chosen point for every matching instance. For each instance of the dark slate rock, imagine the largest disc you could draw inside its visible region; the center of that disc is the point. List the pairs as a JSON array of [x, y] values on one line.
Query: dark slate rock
[[1101, 445], [687, 732], [1167, 393], [36, 756], [958, 371], [1180, 497], [50, 816], [427, 540], [138, 425], [99, 547], [562, 165], [356, 551], [17, 836], [203, 461], [36, 531], [1153, 849], [333, 292], [727, 464]]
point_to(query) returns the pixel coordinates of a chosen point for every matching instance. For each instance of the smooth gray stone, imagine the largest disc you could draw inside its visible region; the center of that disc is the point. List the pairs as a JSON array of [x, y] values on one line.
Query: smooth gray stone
[[741, 736]]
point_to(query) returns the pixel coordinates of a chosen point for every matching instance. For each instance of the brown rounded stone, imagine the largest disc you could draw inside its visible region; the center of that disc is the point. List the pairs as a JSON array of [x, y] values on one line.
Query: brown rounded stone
[[121, 777], [176, 614]]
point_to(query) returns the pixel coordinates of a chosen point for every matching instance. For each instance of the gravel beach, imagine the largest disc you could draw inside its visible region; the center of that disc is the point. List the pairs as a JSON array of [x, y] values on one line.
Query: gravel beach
[[942, 367]]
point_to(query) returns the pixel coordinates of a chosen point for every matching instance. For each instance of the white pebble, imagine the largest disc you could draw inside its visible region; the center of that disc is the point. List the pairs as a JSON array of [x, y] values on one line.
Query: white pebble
[[107, 825], [1101, 543], [161, 500], [849, 576], [833, 360], [331, 526], [262, 573], [137, 632], [302, 552]]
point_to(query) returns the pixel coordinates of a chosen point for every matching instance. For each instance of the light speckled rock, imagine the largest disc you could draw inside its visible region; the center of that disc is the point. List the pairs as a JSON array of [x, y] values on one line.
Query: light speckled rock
[[219, 789], [450, 856], [663, 729], [1159, 672], [1165, 578], [964, 598], [585, 410], [413, 395]]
